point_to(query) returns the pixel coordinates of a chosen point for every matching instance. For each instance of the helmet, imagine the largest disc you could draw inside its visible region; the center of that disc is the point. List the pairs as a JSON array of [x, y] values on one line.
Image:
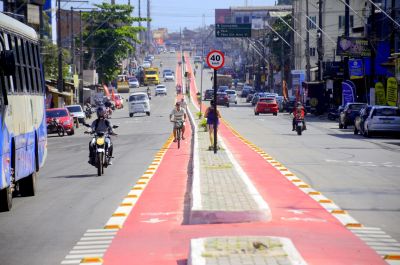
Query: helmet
[[100, 112], [299, 104]]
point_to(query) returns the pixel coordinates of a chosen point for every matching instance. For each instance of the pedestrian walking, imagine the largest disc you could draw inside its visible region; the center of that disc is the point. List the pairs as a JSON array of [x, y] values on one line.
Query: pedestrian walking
[[212, 115]]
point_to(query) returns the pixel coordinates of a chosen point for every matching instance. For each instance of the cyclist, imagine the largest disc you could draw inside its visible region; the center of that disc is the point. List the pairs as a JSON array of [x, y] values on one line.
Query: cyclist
[[178, 114]]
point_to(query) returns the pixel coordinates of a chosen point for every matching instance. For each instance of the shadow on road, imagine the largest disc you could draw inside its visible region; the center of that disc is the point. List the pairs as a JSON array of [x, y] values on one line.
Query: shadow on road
[[77, 176]]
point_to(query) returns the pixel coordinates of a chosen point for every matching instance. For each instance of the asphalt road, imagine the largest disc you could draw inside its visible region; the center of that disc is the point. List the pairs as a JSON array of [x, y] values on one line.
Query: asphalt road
[[361, 175], [70, 198]]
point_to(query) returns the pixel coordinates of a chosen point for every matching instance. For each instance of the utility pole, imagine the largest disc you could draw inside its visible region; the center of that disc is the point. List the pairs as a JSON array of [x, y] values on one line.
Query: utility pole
[[319, 38], [202, 58], [72, 40], [346, 34], [60, 86], [371, 37], [148, 25], [80, 92], [308, 72]]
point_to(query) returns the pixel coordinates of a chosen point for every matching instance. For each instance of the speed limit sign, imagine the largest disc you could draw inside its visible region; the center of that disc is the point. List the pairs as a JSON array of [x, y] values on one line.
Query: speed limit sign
[[215, 59]]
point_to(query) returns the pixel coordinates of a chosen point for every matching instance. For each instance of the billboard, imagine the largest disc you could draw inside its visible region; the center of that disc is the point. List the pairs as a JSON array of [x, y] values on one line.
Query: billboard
[[223, 16], [353, 47]]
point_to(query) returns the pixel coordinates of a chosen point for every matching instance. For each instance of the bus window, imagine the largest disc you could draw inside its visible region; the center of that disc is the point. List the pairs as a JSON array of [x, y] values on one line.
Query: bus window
[[16, 79], [32, 52], [31, 67], [20, 62], [25, 56], [38, 71]]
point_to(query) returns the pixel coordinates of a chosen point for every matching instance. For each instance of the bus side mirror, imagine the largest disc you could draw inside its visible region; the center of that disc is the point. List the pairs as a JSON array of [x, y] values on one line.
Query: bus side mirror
[[7, 62]]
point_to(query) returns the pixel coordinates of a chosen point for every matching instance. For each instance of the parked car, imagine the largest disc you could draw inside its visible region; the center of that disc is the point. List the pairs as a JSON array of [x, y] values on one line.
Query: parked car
[[64, 118], [139, 103], [172, 50], [360, 119], [169, 76], [161, 90], [76, 111], [383, 120], [288, 104], [349, 113], [119, 101], [266, 105], [146, 64], [133, 82], [208, 94], [222, 99], [231, 95]]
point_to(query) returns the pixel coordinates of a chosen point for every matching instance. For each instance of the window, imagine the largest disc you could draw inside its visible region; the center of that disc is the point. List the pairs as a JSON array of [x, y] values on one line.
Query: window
[[38, 72], [27, 61], [246, 19], [20, 76], [238, 20], [312, 25], [312, 51], [342, 22], [32, 71]]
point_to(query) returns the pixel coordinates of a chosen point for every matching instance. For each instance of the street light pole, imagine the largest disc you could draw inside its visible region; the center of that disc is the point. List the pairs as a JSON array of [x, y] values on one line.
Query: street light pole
[[308, 71], [60, 86], [81, 62]]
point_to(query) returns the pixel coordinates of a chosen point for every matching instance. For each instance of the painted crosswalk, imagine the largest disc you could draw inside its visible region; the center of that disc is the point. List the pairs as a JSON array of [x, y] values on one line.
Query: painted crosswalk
[[91, 247]]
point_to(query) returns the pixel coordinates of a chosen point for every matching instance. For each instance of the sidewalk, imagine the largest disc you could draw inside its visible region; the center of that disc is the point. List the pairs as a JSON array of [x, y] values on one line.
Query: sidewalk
[[238, 207]]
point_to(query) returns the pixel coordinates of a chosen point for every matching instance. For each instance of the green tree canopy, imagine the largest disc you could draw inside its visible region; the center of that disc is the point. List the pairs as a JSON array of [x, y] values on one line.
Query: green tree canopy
[[109, 36]]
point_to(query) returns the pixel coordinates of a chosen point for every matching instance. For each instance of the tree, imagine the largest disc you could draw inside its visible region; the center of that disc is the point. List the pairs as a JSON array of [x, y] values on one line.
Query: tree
[[109, 36], [50, 60]]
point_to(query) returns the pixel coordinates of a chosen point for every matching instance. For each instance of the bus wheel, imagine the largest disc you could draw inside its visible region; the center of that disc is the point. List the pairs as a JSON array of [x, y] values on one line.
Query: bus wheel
[[27, 186], [5, 199]]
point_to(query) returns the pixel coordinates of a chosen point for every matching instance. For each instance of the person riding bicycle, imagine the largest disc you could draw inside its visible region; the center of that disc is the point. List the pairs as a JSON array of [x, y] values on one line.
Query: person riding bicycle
[[178, 89], [101, 125], [299, 112], [178, 115]]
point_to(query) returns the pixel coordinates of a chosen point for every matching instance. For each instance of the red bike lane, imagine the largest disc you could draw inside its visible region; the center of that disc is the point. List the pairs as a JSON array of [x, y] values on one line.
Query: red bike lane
[[156, 231]]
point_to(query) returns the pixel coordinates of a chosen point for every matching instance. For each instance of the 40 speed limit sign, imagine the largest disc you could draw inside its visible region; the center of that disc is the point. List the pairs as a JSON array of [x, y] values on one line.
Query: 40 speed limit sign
[[215, 59]]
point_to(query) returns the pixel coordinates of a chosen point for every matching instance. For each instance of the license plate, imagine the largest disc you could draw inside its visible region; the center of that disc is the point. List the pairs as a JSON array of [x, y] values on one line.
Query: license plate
[[267, 109], [386, 122]]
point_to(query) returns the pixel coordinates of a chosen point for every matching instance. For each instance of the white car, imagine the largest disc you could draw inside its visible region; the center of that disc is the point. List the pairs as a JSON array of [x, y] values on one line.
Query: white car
[[77, 112], [161, 90], [139, 103], [382, 119], [232, 97], [146, 64], [172, 50], [133, 82], [169, 76]]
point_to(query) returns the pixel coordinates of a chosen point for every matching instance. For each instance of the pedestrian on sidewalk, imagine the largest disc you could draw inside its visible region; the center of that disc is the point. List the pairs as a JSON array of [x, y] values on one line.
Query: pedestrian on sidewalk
[[211, 115]]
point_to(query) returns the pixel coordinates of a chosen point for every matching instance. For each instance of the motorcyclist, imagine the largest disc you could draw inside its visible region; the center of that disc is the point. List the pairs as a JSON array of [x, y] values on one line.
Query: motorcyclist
[[299, 112], [101, 125], [148, 91]]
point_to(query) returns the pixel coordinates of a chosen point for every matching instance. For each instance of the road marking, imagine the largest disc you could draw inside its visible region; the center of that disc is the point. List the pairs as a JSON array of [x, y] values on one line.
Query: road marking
[[154, 221], [390, 252]]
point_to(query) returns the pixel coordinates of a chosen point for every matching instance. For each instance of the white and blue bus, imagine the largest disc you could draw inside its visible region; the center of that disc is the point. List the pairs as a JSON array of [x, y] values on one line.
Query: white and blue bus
[[23, 131]]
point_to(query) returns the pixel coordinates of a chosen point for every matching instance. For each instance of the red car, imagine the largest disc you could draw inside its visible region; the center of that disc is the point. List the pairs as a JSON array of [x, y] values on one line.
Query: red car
[[63, 117], [266, 105], [118, 101]]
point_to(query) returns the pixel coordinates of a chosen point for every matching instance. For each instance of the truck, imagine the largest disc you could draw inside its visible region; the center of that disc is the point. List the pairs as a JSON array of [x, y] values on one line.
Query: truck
[[122, 84], [151, 76], [224, 80]]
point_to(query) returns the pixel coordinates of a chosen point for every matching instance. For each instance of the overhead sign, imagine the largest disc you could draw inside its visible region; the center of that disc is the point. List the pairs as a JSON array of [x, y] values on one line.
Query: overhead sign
[[233, 30], [391, 95], [215, 59], [353, 47]]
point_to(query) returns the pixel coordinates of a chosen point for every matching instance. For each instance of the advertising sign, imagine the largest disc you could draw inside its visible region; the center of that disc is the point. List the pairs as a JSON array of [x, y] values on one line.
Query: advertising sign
[[380, 94], [391, 95], [356, 69], [353, 47], [347, 92]]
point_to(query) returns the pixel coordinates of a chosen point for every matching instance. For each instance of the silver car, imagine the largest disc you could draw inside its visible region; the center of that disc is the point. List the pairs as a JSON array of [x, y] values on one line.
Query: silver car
[[232, 97], [382, 119], [76, 112]]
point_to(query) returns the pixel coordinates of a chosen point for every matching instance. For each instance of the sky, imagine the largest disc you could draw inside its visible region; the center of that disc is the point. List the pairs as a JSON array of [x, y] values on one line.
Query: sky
[[176, 14]]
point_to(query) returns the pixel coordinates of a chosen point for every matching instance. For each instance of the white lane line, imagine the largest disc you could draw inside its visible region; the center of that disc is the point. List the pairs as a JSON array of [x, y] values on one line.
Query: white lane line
[[88, 251], [94, 242], [99, 234], [72, 261], [90, 247], [96, 238], [81, 256]]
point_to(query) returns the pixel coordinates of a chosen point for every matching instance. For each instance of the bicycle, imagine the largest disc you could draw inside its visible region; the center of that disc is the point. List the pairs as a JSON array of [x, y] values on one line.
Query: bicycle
[[178, 127]]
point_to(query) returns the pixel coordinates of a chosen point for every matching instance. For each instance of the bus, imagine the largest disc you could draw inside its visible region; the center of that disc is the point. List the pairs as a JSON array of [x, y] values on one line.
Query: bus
[[23, 130]]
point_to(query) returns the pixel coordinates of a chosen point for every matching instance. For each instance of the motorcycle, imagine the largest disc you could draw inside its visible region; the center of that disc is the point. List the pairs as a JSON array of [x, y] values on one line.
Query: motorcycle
[[88, 112], [55, 126], [101, 151], [149, 94], [300, 126], [108, 113]]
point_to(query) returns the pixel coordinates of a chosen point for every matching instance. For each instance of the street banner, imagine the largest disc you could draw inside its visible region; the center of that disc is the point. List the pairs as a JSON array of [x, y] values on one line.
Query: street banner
[[285, 90], [353, 47], [356, 69], [106, 91], [76, 81], [380, 94], [347, 92], [397, 69], [391, 92]]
